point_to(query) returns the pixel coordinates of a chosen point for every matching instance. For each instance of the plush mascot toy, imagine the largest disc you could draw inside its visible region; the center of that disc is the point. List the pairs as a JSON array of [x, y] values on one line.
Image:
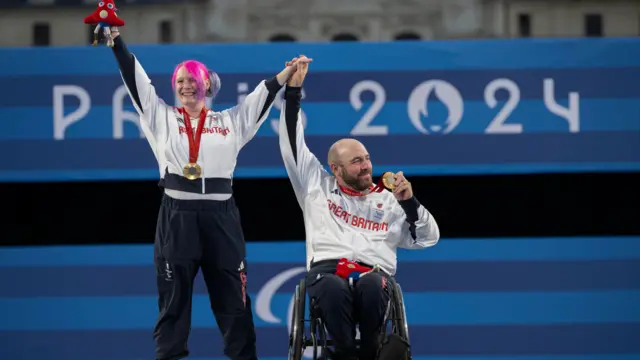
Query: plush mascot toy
[[350, 270], [105, 18]]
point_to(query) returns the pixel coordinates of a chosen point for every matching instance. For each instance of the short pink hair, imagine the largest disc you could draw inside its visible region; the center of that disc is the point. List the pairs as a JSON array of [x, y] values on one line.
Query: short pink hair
[[199, 72]]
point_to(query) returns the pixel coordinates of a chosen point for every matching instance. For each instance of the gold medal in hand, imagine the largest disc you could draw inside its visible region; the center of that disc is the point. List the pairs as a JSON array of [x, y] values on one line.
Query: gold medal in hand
[[388, 180]]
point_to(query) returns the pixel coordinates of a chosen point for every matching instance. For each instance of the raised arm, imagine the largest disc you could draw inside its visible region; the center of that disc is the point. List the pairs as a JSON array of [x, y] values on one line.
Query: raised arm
[[302, 166], [251, 113], [142, 92]]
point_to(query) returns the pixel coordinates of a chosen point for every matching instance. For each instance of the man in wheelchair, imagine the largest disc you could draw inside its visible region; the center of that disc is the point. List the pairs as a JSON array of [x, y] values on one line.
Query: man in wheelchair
[[353, 229]]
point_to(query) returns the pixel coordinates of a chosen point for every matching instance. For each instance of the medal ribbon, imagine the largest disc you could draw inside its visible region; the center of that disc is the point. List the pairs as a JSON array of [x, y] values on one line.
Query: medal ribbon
[[194, 141], [378, 188]]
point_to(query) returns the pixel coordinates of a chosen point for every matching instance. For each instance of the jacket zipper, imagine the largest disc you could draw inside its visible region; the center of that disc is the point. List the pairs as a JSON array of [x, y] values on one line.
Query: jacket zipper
[[202, 167]]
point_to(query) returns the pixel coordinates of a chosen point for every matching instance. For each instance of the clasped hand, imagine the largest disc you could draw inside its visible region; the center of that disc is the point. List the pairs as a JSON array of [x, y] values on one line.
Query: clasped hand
[[299, 66]]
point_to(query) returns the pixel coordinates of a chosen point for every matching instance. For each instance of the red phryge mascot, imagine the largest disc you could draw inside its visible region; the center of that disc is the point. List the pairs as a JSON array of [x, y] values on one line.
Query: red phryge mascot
[[104, 17], [352, 271]]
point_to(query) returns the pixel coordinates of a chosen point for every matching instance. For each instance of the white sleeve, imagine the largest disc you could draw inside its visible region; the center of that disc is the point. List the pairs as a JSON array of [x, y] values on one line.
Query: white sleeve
[[251, 113], [138, 85], [303, 168], [419, 229]]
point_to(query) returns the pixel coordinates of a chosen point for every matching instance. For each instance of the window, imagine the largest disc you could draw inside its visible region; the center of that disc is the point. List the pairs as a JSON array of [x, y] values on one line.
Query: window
[[407, 36], [166, 32], [524, 25], [344, 37], [282, 38], [593, 25], [41, 34]]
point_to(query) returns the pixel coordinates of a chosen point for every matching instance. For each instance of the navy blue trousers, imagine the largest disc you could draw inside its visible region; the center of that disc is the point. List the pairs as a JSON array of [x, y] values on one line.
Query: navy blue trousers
[[342, 307], [193, 235]]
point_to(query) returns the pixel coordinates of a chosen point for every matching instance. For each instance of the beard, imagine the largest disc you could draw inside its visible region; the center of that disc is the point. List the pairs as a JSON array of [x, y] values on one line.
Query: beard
[[356, 182]]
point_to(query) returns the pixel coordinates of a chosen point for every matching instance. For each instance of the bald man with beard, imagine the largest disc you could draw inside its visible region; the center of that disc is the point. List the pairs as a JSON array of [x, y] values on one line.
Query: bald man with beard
[[349, 223], [347, 152]]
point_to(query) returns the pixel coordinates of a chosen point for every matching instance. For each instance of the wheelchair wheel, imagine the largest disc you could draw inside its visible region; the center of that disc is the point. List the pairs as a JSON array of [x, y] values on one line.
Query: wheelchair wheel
[[296, 340], [400, 315]]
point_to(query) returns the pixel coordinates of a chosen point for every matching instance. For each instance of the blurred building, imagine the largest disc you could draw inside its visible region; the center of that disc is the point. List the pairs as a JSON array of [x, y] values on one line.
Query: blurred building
[[59, 22]]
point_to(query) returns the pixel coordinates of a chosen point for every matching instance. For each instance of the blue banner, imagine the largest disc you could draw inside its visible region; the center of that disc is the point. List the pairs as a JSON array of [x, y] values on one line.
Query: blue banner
[[475, 299], [460, 107]]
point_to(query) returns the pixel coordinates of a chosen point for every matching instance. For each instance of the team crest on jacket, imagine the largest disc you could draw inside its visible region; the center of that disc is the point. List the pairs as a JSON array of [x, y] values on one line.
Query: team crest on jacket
[[378, 212]]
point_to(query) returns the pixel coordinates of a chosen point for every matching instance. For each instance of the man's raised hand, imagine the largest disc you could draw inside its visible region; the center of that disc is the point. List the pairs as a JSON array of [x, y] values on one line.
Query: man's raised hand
[[299, 71]]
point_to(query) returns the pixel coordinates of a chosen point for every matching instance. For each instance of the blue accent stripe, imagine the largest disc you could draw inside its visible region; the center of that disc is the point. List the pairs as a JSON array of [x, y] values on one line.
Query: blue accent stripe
[[462, 276], [129, 313], [490, 54], [587, 339], [293, 253], [471, 150], [280, 172]]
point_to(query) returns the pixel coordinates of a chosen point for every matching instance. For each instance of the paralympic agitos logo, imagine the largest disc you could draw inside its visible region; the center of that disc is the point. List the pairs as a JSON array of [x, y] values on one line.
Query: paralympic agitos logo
[[265, 296]]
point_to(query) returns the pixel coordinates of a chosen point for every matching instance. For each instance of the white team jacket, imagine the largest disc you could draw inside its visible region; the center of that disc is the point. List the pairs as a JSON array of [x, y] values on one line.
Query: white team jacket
[[367, 228], [223, 136]]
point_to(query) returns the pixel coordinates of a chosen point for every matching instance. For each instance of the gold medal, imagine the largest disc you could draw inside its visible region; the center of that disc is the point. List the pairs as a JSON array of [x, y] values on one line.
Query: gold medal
[[388, 180], [192, 171]]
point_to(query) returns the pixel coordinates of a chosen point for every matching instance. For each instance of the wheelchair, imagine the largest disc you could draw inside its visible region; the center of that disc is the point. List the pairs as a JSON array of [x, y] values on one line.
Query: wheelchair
[[299, 339]]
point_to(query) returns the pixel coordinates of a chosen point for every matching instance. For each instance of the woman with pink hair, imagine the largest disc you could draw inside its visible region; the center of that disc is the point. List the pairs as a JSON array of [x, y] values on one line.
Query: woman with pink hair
[[198, 223]]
